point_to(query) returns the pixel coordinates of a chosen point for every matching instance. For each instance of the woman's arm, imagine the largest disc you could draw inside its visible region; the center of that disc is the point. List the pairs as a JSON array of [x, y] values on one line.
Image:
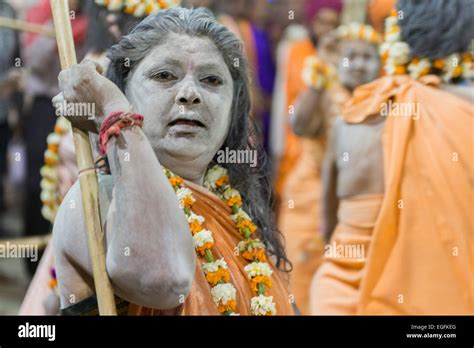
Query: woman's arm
[[150, 253]]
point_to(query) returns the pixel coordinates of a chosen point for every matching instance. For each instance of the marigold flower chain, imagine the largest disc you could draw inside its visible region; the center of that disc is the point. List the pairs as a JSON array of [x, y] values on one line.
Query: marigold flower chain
[[252, 250]]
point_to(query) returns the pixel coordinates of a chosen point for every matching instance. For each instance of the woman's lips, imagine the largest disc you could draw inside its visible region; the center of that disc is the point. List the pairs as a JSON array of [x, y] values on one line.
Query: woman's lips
[[186, 122]]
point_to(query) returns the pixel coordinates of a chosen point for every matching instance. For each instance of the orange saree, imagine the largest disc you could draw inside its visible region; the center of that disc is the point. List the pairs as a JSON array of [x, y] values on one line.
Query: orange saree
[[226, 236]]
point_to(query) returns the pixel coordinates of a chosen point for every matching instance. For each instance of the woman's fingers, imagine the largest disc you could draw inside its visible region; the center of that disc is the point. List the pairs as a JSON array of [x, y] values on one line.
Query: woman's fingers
[[93, 65]]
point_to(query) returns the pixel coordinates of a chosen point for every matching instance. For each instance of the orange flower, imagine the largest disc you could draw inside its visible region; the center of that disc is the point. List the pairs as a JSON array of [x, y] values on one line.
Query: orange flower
[[50, 161], [195, 227], [175, 181], [215, 277], [187, 202], [261, 279], [438, 63], [241, 225], [222, 181], [400, 70], [255, 255], [236, 200], [229, 306], [202, 249], [59, 129], [53, 147], [457, 71]]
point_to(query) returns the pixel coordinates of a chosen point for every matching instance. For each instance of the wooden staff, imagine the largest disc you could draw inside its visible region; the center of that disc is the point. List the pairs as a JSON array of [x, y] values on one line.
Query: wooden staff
[[87, 174], [20, 25]]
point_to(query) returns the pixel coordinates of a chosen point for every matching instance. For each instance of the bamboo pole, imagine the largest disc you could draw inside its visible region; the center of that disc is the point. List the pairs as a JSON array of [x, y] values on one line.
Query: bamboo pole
[[38, 241], [87, 174], [17, 24]]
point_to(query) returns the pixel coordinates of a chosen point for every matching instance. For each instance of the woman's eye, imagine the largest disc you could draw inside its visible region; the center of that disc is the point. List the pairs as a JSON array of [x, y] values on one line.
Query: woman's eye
[[164, 76], [212, 80]]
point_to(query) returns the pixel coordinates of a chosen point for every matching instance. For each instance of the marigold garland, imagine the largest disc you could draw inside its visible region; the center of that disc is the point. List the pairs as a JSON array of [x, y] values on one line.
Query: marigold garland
[[137, 8], [50, 196], [252, 250], [396, 58]]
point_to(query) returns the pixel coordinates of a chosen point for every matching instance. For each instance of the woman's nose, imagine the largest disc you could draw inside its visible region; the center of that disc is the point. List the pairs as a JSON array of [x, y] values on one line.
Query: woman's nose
[[188, 94]]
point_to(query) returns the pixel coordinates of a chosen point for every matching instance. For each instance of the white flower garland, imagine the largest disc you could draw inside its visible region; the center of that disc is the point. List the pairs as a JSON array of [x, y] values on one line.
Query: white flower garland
[[396, 57], [252, 250]]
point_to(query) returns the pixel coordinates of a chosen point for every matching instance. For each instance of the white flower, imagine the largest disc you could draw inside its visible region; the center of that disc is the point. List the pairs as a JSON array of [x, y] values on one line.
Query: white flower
[[399, 53], [390, 22], [451, 63], [223, 293], [203, 237], [212, 175], [51, 156], [392, 37], [46, 184], [415, 70], [182, 193], [115, 5], [53, 139], [258, 268], [389, 67], [49, 173], [194, 217], [240, 215], [210, 267], [48, 196], [261, 305], [230, 192], [250, 244]]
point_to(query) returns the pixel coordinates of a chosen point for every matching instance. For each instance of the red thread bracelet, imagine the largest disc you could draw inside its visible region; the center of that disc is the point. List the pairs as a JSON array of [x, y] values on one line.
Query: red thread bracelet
[[113, 124]]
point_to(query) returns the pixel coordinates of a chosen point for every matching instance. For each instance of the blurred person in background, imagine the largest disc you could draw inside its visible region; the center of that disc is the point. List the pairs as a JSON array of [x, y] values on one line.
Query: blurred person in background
[[10, 77], [398, 174], [105, 28], [346, 59], [320, 18], [41, 84]]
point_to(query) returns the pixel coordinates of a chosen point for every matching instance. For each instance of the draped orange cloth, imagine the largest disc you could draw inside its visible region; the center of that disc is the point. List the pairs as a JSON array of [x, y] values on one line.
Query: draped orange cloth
[[300, 221], [378, 10], [335, 287], [226, 237], [420, 260], [294, 83]]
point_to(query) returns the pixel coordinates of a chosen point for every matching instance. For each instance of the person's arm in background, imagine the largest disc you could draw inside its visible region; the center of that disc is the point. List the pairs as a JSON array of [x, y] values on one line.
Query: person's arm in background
[[329, 180]]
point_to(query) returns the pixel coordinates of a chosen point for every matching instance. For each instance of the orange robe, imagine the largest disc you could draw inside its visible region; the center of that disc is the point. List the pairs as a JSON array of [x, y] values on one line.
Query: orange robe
[[300, 220], [226, 237], [335, 287], [298, 52], [420, 258]]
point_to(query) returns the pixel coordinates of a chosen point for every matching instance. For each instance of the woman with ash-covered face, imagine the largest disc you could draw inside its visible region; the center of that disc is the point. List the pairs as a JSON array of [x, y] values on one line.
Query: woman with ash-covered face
[[178, 240]]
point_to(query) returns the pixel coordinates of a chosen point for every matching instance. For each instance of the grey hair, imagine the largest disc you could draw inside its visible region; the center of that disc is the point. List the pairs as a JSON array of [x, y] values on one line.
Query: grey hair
[[436, 28], [253, 183]]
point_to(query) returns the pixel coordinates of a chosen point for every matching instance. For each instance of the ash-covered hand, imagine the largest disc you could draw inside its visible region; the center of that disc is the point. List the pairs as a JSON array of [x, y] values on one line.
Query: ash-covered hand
[[87, 97]]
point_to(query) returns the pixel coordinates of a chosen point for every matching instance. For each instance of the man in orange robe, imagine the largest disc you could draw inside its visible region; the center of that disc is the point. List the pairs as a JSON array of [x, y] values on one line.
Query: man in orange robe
[[316, 109], [401, 169], [326, 18]]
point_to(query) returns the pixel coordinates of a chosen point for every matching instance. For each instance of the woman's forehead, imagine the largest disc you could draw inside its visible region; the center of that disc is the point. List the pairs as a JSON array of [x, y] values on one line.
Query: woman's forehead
[[181, 49]]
